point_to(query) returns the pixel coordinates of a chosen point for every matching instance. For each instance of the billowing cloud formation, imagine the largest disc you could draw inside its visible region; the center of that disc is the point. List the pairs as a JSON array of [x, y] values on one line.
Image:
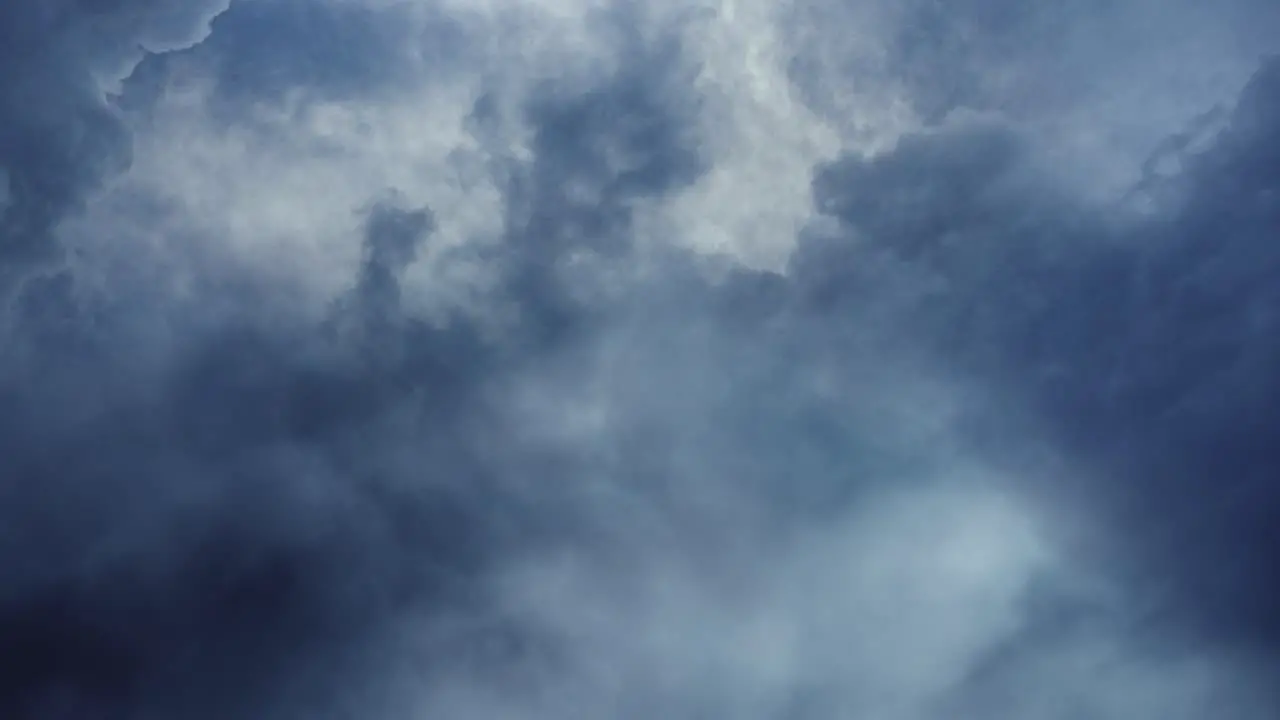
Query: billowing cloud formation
[[1139, 341], [546, 359], [59, 134]]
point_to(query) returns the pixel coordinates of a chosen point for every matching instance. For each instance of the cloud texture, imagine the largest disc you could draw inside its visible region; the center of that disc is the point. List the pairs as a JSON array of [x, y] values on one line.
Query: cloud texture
[[807, 360]]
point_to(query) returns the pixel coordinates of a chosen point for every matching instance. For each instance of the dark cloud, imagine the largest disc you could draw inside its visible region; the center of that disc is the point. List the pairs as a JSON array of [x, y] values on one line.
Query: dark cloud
[[270, 51], [1036, 58], [58, 134], [213, 506], [598, 152], [1149, 347], [946, 54], [189, 545], [220, 537]]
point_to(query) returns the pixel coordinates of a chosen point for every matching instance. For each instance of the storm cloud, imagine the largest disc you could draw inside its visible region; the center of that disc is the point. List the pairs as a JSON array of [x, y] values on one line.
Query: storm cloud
[[374, 358]]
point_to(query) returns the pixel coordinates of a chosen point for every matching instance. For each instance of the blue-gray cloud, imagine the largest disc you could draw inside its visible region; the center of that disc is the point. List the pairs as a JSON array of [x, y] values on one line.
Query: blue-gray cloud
[[60, 137], [612, 475], [1145, 345]]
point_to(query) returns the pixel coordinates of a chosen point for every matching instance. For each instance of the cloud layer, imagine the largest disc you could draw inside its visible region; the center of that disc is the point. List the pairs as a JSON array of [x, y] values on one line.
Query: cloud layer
[[399, 358]]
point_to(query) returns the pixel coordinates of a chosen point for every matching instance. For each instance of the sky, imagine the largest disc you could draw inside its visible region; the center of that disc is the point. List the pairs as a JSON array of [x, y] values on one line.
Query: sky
[[533, 359]]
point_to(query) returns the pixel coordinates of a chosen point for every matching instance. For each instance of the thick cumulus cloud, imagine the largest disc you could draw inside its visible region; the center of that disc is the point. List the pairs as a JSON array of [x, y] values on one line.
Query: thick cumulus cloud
[[1142, 342], [60, 136], [396, 359]]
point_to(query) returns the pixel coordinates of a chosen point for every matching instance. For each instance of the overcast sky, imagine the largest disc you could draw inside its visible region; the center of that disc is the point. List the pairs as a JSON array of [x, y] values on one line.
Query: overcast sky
[[609, 359]]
